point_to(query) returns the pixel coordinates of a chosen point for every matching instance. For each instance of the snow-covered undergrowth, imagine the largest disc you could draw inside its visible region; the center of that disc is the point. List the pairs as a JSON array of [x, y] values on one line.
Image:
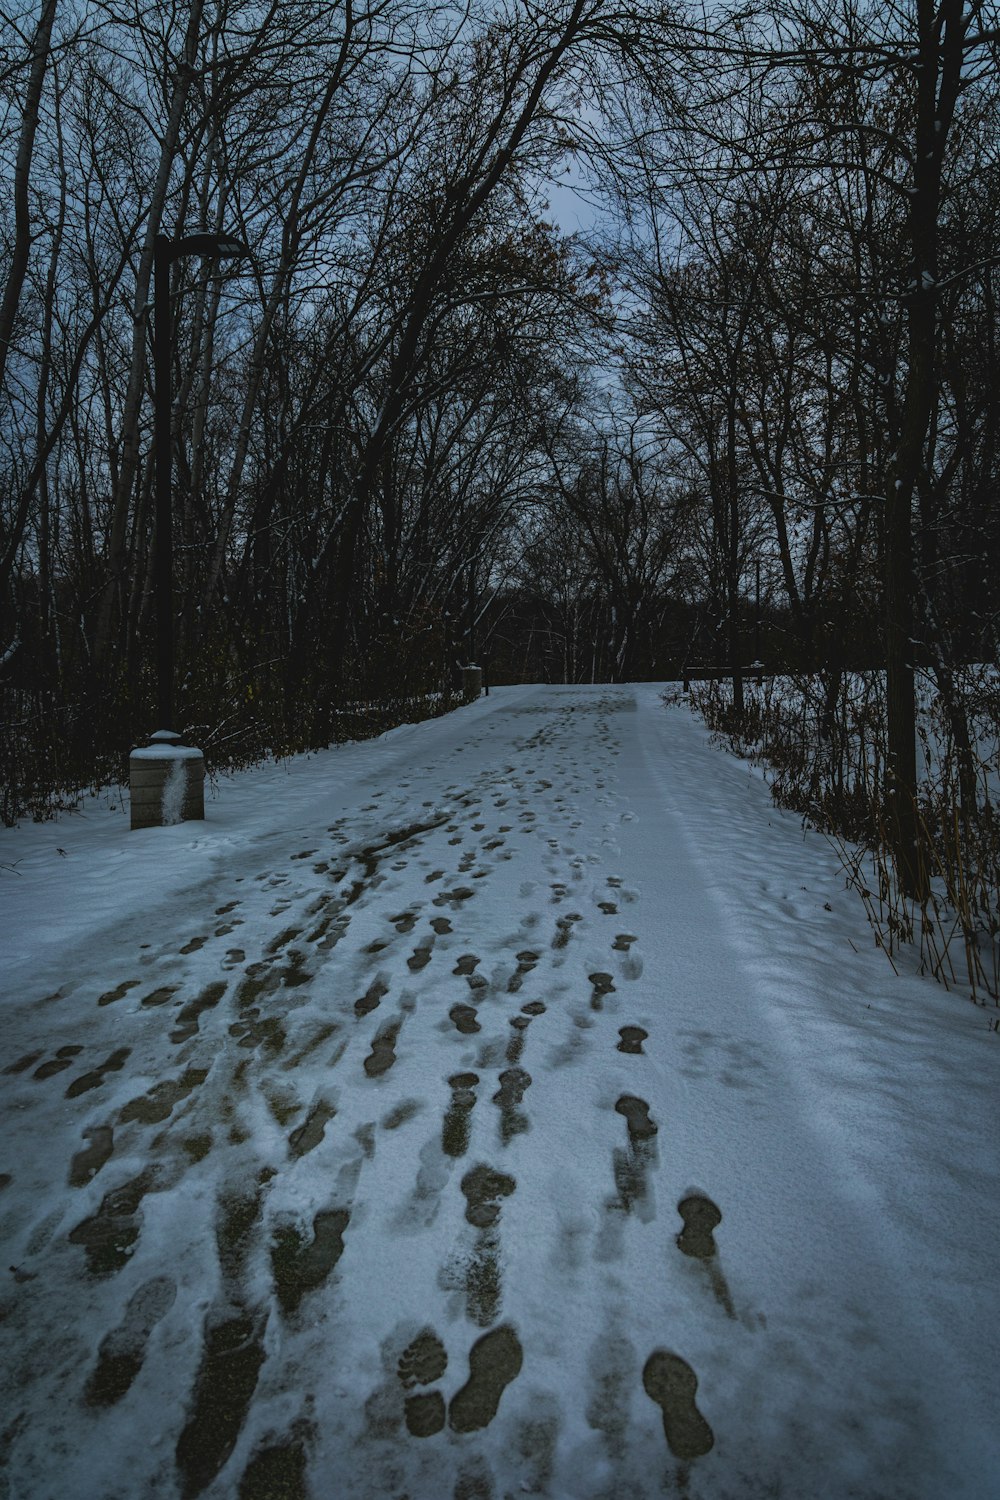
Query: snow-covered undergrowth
[[823, 748]]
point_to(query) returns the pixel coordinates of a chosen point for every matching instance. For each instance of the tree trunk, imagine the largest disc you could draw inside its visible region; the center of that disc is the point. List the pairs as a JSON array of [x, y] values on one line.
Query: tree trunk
[[939, 73], [22, 172], [129, 447]]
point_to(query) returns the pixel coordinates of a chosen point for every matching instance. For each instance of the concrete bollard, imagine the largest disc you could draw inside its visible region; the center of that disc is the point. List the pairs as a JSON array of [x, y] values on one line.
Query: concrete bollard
[[166, 782], [472, 683]]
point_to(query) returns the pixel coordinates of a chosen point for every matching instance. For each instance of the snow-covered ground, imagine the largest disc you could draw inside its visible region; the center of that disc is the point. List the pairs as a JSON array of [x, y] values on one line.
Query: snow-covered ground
[[512, 1105]]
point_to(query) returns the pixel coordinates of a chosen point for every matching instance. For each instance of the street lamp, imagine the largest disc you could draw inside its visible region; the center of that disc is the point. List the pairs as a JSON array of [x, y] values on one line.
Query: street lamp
[[165, 252], [472, 675], [166, 779]]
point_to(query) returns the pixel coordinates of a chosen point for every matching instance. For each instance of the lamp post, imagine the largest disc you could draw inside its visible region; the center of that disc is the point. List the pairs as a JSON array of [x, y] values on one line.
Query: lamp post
[[165, 252], [472, 675], [166, 779]]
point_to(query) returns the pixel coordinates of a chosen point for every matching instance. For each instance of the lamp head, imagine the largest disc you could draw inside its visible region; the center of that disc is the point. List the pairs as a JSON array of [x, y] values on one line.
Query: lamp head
[[218, 246]]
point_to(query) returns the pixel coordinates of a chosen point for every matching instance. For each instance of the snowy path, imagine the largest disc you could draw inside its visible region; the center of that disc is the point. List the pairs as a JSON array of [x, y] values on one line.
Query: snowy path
[[497, 1109]]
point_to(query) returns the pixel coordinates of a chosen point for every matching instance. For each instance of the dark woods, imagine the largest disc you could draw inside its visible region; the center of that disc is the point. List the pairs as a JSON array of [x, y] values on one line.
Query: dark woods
[[751, 410]]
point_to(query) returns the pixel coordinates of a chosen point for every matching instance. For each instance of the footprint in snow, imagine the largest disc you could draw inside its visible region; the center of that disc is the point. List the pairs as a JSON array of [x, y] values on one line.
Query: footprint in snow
[[513, 1084], [526, 961], [630, 1168], [237, 1226], [603, 984], [612, 1370], [94, 1079], [277, 1469], [632, 1038], [328, 931], [454, 898], [24, 1063], [700, 1217], [308, 1135], [186, 1022], [232, 1355], [109, 1235], [372, 997], [483, 1189], [423, 1361], [456, 1123], [312, 1040], [494, 1361], [119, 993], [258, 979], [253, 1031], [564, 926], [671, 1383], [465, 1019], [122, 1352], [87, 1163], [383, 1053], [515, 1046], [490, 1055], [631, 964], [300, 1265], [431, 1179], [421, 956], [636, 1112], [401, 1113], [58, 1064]]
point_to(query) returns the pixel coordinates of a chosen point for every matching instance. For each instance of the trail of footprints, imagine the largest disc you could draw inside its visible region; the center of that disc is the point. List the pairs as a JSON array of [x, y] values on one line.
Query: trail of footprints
[[302, 1261], [495, 1358]]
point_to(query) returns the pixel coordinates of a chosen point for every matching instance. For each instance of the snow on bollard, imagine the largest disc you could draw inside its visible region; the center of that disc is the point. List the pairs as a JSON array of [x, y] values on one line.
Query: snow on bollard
[[166, 782], [472, 683]]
